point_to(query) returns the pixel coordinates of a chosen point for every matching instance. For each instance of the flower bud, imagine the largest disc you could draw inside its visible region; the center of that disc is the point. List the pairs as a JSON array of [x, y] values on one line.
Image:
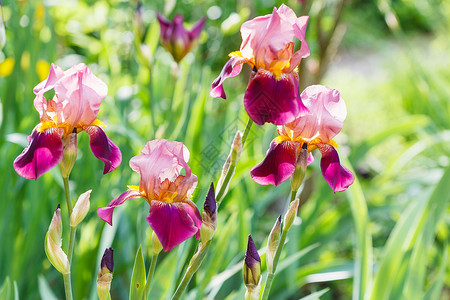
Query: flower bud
[[272, 244], [156, 244], [233, 157], [209, 216], [69, 154], [81, 209], [252, 265], [300, 169], [53, 242], [291, 214], [105, 274]]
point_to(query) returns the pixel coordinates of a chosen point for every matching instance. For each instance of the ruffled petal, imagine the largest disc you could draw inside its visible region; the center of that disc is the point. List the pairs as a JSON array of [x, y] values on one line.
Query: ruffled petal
[[278, 165], [105, 213], [232, 68], [273, 101], [43, 152], [173, 223], [103, 148], [337, 176]]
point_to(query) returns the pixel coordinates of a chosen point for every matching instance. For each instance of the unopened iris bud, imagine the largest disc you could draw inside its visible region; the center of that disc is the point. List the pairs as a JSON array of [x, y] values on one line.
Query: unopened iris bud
[[252, 270], [233, 157], [69, 154], [53, 242], [300, 168], [105, 274], [291, 214], [156, 244], [272, 244], [209, 217], [81, 209]]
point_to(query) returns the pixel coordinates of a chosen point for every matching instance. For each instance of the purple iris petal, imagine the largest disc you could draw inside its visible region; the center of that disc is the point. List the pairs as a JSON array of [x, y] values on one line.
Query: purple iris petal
[[103, 148], [174, 222], [338, 177], [278, 165], [43, 152], [273, 101], [105, 213], [196, 31], [232, 68], [251, 255]]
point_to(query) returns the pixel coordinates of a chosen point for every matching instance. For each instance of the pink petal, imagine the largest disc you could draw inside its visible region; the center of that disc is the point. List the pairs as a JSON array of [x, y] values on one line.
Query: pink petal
[[278, 165], [196, 31], [174, 222], [103, 148], [232, 68], [338, 177], [43, 152], [326, 114], [310, 159], [105, 213], [273, 101]]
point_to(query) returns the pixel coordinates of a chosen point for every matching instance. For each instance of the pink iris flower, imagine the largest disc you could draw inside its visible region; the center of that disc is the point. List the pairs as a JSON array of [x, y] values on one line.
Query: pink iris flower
[[316, 129], [176, 39], [73, 108], [272, 94], [173, 216]]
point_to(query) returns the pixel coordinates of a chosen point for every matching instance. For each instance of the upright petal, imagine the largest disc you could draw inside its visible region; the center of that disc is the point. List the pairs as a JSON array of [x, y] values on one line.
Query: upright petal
[[105, 213], [103, 148], [173, 223], [278, 165], [43, 152], [337, 176], [196, 31], [270, 100], [232, 68]]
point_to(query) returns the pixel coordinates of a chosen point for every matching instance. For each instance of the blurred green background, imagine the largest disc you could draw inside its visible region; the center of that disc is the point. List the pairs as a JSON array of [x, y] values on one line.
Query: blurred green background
[[386, 237]]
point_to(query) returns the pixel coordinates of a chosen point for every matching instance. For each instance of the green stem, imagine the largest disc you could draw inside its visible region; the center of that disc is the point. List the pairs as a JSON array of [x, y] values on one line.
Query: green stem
[[72, 229], [67, 286], [151, 271], [192, 268], [224, 187]]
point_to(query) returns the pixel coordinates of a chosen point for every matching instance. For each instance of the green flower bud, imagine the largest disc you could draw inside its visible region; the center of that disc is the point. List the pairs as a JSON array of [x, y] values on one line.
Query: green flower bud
[[291, 213], [232, 159], [105, 274], [69, 154], [272, 244], [156, 244], [300, 169], [53, 242], [252, 265], [209, 217], [81, 209]]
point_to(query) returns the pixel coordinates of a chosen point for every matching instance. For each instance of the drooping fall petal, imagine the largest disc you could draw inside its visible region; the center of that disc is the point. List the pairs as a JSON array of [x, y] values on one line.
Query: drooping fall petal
[[43, 152], [103, 148], [337, 176], [174, 222], [278, 165], [105, 213]]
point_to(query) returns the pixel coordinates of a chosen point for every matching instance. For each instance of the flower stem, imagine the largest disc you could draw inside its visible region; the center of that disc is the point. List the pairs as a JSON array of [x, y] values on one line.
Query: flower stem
[[72, 229], [67, 286], [192, 268], [151, 271], [224, 187]]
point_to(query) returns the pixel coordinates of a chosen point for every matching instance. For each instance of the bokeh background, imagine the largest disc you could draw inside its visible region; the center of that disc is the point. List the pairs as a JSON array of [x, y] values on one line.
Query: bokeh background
[[386, 237]]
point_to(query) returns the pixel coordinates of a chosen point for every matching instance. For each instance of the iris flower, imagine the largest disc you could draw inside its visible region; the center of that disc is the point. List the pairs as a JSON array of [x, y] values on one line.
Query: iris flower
[[176, 39], [173, 216], [73, 108], [272, 94], [316, 129]]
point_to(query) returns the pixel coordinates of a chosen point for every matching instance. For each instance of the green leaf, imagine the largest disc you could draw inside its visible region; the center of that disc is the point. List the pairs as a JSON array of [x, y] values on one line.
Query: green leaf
[[44, 289], [5, 290], [316, 295], [435, 289], [138, 277]]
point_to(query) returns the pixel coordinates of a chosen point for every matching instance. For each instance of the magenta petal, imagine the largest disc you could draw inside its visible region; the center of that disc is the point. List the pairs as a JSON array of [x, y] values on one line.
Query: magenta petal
[[196, 31], [103, 148], [338, 177], [270, 100], [232, 68], [105, 213], [43, 152], [174, 222], [310, 159], [278, 165]]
